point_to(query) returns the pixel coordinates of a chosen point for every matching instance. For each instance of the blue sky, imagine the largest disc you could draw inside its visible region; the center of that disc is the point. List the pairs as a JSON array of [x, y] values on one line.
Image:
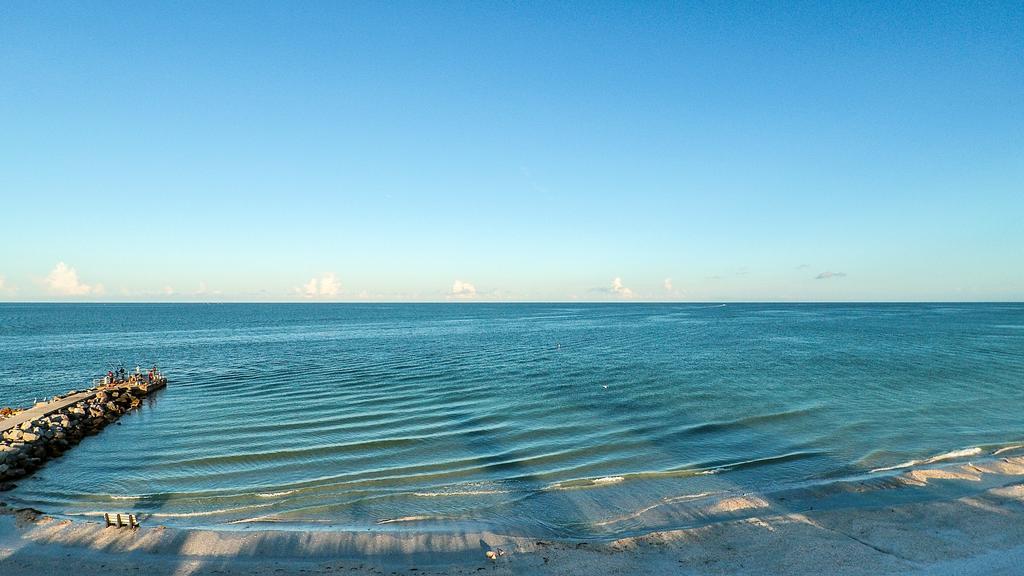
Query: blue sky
[[499, 151]]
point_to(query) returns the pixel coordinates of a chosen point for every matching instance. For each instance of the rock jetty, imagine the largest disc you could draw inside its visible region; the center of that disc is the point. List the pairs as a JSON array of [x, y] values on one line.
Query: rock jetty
[[33, 436]]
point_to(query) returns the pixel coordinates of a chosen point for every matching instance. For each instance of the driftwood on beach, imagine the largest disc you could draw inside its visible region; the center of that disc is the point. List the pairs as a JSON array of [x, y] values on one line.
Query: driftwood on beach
[[33, 436]]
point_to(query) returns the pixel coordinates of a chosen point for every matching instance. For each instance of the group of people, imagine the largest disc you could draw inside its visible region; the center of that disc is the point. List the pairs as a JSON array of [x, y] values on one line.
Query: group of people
[[121, 376]]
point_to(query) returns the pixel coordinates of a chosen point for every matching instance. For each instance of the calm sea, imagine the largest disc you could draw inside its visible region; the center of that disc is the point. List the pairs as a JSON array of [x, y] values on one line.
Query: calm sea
[[584, 421]]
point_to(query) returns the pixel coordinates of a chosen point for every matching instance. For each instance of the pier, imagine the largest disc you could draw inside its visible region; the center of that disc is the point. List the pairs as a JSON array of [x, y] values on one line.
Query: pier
[[31, 437]]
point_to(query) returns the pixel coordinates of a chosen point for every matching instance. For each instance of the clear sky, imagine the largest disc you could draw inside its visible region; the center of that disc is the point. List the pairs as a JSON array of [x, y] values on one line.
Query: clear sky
[[524, 151]]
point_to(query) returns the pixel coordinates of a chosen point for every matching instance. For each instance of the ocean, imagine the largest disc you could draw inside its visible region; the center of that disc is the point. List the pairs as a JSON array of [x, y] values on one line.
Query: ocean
[[550, 420]]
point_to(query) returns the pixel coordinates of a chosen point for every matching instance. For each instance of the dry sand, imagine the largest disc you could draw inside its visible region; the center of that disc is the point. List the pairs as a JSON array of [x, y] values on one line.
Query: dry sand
[[980, 534]]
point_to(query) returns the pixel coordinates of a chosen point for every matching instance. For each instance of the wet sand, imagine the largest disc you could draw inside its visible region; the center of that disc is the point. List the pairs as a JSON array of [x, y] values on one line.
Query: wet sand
[[978, 534]]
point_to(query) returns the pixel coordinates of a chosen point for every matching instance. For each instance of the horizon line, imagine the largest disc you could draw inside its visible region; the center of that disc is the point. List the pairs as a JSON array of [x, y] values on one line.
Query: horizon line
[[464, 302]]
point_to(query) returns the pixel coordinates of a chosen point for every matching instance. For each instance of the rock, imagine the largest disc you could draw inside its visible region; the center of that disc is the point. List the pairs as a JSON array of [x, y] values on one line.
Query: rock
[[29, 437], [5, 486], [27, 425], [3, 469]]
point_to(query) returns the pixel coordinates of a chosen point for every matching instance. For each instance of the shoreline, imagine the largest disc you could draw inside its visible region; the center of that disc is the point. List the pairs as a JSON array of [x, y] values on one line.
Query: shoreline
[[965, 471], [982, 533]]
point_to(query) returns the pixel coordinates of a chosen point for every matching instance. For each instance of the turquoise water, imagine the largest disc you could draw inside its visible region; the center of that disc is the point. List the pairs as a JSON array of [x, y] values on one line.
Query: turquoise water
[[544, 419]]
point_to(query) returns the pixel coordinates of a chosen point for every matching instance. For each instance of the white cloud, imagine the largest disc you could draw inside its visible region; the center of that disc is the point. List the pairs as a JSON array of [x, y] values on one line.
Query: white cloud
[[671, 290], [463, 290], [168, 291], [63, 280], [615, 289], [205, 291], [329, 285], [827, 275], [619, 290], [326, 286]]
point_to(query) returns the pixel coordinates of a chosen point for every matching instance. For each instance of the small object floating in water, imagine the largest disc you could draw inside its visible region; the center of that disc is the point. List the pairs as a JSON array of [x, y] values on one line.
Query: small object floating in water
[[605, 386], [491, 555]]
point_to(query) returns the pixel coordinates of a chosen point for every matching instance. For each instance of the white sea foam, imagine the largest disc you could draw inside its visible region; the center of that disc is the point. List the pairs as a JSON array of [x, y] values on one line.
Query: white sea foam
[[664, 502], [207, 512], [587, 482], [409, 519], [460, 493], [945, 456], [1008, 448], [275, 494]]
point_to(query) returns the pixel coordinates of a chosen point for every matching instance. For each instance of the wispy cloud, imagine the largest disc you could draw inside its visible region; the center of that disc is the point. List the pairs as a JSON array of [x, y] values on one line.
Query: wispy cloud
[[462, 290], [204, 290], [326, 286], [63, 281], [617, 289], [620, 290], [670, 289], [165, 292], [827, 275]]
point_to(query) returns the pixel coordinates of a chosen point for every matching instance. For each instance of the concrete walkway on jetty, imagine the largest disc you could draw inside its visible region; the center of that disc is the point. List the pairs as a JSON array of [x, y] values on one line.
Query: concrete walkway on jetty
[[29, 438], [44, 410]]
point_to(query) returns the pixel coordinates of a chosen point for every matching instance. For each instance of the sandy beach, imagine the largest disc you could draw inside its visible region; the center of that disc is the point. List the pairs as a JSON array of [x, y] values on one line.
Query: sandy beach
[[978, 534]]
